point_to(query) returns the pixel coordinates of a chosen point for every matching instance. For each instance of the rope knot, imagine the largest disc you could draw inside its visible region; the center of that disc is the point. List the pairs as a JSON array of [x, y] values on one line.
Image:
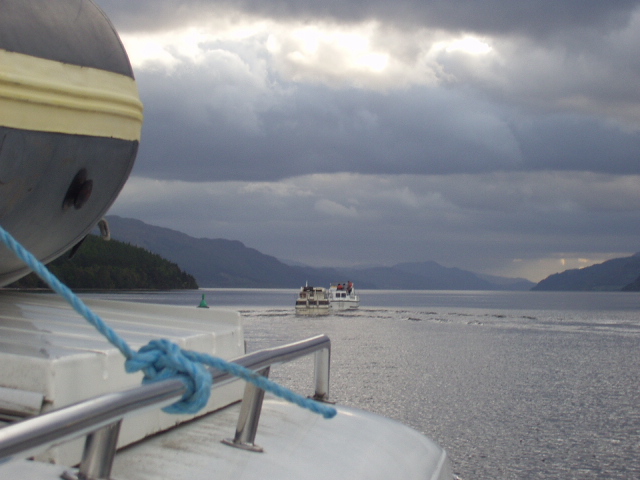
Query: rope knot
[[162, 359]]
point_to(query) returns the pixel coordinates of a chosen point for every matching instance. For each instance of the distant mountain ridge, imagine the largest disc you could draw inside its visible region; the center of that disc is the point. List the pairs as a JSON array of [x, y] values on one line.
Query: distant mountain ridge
[[618, 274], [229, 263]]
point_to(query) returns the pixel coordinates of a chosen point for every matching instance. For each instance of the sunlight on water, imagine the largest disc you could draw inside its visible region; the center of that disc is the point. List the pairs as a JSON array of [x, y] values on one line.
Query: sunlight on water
[[535, 394], [509, 393], [513, 385]]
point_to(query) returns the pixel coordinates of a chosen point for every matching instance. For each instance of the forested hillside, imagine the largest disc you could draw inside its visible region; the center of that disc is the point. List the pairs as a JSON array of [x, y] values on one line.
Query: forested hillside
[[107, 265]]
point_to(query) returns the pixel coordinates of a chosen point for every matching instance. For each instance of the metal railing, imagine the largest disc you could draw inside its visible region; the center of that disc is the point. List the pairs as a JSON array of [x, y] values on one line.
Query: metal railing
[[99, 418]]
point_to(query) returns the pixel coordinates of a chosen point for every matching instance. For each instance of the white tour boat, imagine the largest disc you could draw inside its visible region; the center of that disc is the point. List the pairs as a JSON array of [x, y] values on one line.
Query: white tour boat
[[312, 301], [70, 122], [343, 296]]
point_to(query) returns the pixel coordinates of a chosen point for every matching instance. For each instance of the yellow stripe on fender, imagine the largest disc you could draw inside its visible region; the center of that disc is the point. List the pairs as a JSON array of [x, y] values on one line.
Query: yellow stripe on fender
[[49, 96]]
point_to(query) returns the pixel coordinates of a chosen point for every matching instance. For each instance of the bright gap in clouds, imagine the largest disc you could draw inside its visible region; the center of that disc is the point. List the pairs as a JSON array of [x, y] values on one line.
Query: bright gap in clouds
[[350, 48], [347, 47], [537, 269], [467, 44], [365, 54]]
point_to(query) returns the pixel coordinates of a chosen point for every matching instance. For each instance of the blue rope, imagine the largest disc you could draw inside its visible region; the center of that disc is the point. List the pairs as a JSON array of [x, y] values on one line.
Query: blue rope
[[162, 359]]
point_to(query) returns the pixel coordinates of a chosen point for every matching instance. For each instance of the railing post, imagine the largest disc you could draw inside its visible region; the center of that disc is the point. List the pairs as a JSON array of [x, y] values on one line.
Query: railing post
[[98, 418], [321, 371], [99, 452], [249, 417]]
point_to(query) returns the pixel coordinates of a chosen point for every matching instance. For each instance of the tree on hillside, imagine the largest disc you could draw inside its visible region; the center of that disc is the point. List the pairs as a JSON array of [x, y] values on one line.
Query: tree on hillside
[[103, 265]]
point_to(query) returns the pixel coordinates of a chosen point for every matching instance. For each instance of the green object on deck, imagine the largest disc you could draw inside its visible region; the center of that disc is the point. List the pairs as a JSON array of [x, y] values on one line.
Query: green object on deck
[[203, 303]]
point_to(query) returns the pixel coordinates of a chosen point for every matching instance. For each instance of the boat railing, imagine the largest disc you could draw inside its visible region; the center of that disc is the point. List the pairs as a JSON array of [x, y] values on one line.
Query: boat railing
[[99, 418]]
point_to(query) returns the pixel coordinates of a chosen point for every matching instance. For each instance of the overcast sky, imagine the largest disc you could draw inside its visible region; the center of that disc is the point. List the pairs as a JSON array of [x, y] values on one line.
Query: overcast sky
[[499, 136]]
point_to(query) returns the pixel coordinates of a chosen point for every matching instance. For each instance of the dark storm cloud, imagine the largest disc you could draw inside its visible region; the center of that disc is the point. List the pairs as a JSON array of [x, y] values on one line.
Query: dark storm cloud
[[501, 136], [481, 222], [585, 72], [534, 18], [573, 142], [246, 132], [320, 130], [547, 106]]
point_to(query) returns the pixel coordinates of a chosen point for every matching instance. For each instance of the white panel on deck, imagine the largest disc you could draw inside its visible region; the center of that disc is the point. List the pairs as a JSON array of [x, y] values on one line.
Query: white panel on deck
[[49, 349], [19, 402]]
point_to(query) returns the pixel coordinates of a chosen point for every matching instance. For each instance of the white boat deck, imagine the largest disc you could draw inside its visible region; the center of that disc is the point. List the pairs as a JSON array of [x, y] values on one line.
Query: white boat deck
[[51, 357], [297, 444]]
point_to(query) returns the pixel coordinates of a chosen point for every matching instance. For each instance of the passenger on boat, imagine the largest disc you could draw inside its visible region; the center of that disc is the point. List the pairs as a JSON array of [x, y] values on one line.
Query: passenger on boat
[[349, 287], [340, 286]]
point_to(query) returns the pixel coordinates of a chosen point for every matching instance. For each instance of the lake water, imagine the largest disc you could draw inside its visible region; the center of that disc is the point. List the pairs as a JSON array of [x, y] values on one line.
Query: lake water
[[515, 385]]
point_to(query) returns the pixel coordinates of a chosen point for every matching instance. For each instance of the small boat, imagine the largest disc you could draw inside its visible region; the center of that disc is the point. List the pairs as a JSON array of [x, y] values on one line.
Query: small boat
[[343, 296], [312, 301]]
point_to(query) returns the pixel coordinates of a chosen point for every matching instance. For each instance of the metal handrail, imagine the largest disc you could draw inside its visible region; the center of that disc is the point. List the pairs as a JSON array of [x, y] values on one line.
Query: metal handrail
[[31, 436]]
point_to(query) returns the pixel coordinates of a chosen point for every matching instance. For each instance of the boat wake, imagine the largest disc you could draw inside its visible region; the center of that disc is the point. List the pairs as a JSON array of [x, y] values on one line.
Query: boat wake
[[622, 323]]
